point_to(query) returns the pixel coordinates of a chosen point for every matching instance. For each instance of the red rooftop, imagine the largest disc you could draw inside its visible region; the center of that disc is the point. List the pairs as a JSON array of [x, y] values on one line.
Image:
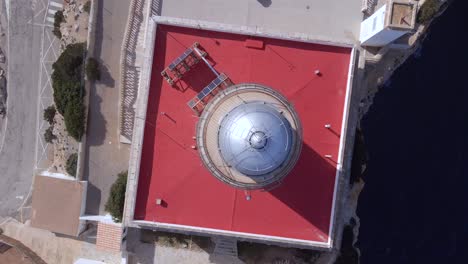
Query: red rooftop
[[312, 77]]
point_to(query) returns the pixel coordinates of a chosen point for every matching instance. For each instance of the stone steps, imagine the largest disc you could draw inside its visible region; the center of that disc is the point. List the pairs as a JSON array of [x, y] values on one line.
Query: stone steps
[[226, 247]]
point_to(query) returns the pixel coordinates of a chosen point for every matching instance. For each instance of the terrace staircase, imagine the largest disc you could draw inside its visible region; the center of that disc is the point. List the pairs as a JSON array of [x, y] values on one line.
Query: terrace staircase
[[225, 247]]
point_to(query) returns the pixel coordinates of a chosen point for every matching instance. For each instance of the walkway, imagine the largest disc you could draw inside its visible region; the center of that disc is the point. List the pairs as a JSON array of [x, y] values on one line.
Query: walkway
[[106, 157]]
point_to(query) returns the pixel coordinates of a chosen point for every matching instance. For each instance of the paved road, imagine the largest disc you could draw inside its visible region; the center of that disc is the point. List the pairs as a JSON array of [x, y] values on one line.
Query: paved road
[[105, 155], [17, 148]]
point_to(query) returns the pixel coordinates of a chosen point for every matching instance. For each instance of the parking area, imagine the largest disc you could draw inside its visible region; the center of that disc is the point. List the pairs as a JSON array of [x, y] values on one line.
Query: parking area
[[30, 44]]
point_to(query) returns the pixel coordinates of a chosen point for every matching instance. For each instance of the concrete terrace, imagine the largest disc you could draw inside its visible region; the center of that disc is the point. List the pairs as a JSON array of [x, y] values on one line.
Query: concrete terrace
[[331, 21]]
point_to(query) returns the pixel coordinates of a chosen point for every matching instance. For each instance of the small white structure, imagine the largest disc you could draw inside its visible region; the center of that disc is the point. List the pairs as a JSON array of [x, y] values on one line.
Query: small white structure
[[388, 23]]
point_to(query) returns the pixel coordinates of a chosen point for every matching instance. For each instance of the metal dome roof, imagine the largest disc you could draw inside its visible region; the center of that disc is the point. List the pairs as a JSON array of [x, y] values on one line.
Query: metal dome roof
[[255, 138]]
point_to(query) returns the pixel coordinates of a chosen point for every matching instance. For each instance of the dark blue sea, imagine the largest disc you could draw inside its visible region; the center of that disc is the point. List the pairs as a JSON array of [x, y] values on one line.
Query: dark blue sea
[[414, 206]]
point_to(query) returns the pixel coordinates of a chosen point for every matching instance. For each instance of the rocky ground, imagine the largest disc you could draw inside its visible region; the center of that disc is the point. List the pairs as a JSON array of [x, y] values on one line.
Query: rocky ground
[[382, 63], [64, 146], [75, 29]]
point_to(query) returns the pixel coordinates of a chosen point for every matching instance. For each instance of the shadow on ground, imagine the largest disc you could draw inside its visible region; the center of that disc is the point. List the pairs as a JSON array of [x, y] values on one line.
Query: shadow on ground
[[93, 200], [106, 77], [265, 3], [310, 177]]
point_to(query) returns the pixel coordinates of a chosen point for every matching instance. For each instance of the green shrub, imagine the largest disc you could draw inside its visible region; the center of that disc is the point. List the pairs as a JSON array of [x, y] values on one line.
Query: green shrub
[[71, 164], [49, 135], [57, 33], [348, 253], [69, 66], [116, 200], [428, 10], [68, 89], [92, 70], [74, 119], [87, 7], [66, 92], [49, 114], [58, 19]]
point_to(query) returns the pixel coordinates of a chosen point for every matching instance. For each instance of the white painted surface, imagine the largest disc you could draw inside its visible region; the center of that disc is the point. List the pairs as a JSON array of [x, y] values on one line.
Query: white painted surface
[[98, 218], [373, 24], [57, 175], [343, 138], [52, 8], [87, 261], [59, 5], [375, 33], [384, 37]]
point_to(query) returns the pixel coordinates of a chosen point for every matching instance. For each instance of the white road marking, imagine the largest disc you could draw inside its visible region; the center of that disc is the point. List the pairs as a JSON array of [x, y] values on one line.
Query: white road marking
[[59, 5], [52, 8], [52, 11]]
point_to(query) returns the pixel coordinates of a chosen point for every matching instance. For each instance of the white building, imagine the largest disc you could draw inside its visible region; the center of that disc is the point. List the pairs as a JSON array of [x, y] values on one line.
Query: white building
[[388, 23]]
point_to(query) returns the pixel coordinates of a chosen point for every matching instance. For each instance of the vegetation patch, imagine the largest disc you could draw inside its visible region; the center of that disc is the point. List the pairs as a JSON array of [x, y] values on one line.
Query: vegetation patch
[[74, 119], [427, 11], [116, 200], [87, 7], [68, 88], [71, 164], [49, 114], [348, 254], [58, 19], [49, 135], [92, 70], [175, 240], [253, 253], [359, 160]]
